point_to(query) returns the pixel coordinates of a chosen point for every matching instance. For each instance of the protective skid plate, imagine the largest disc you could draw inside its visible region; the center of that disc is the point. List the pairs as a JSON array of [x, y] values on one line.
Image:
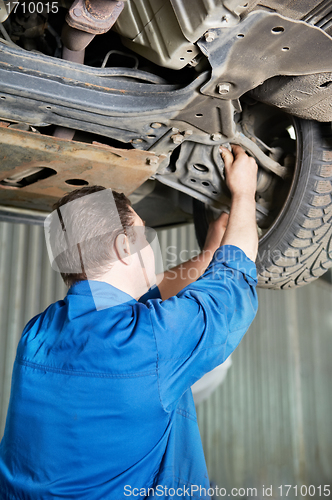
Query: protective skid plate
[[261, 46], [121, 170]]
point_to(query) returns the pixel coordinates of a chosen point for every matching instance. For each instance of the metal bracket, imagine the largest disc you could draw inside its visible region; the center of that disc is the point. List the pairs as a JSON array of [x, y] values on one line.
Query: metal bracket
[[263, 45], [198, 172]]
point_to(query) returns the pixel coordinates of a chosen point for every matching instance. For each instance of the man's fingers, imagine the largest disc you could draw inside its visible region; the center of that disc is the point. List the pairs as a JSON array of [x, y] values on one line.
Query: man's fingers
[[238, 153], [227, 156], [237, 150]]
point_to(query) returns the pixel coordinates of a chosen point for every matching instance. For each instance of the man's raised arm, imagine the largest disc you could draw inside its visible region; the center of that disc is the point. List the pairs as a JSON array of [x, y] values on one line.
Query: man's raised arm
[[241, 179]]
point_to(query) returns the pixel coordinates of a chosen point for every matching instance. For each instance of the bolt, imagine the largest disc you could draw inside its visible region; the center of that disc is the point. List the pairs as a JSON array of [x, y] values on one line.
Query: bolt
[[177, 138], [156, 125], [193, 63], [152, 160], [216, 137], [137, 141], [209, 36], [223, 88]]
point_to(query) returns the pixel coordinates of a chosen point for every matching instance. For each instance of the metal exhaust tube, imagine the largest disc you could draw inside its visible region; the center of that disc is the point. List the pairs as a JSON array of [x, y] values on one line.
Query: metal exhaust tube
[[84, 20]]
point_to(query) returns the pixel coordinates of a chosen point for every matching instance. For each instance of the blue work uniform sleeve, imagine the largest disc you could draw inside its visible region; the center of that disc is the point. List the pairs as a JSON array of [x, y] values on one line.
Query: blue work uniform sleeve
[[197, 329]]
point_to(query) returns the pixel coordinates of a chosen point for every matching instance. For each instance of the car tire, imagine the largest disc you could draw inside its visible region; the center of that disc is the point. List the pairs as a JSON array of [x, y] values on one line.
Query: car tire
[[297, 248]]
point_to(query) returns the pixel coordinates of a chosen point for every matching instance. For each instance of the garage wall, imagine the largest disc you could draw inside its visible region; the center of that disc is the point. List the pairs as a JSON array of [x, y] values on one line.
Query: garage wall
[[270, 422], [27, 286]]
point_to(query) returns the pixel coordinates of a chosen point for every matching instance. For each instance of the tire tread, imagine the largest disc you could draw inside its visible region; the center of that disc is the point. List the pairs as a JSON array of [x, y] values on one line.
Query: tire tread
[[309, 251]]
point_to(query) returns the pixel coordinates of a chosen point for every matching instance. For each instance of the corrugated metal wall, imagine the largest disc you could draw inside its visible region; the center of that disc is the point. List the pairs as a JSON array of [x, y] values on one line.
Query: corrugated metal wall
[[270, 422]]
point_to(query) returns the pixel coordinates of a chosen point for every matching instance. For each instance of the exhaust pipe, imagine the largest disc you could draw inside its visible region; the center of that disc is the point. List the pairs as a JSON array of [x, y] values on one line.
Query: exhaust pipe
[[84, 20]]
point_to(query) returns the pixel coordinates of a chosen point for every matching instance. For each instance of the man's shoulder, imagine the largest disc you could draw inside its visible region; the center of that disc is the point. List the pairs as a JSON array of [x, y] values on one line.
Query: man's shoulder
[[40, 316], [38, 328]]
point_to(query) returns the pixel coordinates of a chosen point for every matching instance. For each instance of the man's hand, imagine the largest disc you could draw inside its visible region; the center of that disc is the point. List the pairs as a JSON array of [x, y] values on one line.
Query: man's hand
[[240, 172], [241, 178]]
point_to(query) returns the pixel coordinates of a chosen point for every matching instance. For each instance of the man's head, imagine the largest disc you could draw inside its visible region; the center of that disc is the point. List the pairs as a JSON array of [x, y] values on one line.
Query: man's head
[[91, 231]]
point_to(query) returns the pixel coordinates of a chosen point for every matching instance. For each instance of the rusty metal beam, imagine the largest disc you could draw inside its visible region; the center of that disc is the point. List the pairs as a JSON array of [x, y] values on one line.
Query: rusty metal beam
[[41, 90]]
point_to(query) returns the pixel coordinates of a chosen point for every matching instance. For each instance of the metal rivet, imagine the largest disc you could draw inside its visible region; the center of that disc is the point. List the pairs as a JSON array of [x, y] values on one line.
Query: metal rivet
[[137, 141], [156, 125]]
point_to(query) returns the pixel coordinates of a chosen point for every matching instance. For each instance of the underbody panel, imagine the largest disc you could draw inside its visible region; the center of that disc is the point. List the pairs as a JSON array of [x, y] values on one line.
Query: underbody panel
[[56, 167]]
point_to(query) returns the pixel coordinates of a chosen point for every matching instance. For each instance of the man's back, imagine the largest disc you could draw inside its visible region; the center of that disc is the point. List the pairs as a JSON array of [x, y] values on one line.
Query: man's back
[[82, 375], [100, 398]]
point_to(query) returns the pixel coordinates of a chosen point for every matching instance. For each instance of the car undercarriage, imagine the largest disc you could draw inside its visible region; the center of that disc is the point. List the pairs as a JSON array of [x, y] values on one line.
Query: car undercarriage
[[138, 95]]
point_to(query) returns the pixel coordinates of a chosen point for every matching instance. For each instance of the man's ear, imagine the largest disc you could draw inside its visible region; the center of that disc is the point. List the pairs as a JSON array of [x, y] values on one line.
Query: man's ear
[[122, 249]]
